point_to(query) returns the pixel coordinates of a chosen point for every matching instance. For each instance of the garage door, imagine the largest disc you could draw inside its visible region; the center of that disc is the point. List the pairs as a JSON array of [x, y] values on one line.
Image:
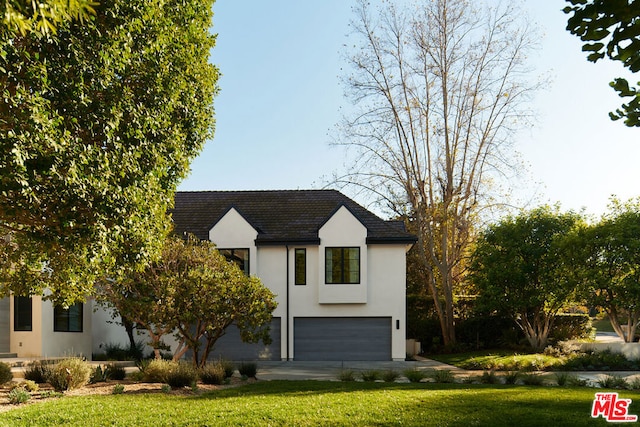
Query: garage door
[[231, 347], [342, 338]]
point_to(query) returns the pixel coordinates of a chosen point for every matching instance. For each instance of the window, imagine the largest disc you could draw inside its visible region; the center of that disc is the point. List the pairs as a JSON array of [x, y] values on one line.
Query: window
[[22, 313], [342, 265], [68, 319], [238, 256], [300, 266]]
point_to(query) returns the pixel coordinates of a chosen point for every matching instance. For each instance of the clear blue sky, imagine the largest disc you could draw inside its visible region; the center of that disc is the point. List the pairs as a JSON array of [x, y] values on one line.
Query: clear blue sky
[[281, 97]]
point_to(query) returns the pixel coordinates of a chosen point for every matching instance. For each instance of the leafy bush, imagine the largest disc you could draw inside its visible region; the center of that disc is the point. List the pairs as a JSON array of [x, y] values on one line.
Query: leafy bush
[[118, 389], [212, 373], [228, 368], [69, 374], [443, 376], [158, 370], [635, 383], [37, 371], [98, 375], [414, 375], [18, 395], [347, 375], [489, 377], [613, 381], [390, 376], [183, 374], [248, 369], [114, 351], [113, 371], [370, 375], [570, 326], [5, 373], [605, 360], [28, 385], [511, 377], [166, 388], [532, 379]]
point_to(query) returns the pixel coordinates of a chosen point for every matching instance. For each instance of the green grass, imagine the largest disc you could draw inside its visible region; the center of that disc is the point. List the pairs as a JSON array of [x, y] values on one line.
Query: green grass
[[315, 403], [502, 360]]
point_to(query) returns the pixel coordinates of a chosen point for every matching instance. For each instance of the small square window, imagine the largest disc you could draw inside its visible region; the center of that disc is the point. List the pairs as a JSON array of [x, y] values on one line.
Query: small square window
[[238, 256], [68, 319], [342, 265]]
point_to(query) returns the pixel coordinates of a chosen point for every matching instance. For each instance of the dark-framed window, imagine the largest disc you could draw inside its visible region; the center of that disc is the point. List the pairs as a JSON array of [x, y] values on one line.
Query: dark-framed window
[[342, 265], [68, 319], [238, 256], [22, 313], [300, 266]]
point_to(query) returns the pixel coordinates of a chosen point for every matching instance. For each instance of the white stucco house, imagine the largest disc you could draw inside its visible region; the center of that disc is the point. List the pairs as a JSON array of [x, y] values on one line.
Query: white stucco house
[[338, 270]]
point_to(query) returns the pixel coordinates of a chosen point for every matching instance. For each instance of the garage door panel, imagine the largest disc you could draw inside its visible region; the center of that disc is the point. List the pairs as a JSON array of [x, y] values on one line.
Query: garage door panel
[[231, 347], [342, 338]]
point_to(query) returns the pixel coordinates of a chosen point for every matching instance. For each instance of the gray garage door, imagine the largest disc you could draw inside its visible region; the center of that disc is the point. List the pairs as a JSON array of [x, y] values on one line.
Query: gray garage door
[[231, 347], [342, 338]]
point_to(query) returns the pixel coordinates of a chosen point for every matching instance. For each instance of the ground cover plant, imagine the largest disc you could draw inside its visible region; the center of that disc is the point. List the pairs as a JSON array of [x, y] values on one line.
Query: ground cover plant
[[326, 403]]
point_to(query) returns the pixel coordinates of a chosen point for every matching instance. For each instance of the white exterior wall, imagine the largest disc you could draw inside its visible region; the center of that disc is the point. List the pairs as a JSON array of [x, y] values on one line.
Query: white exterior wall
[[234, 232], [57, 344], [343, 230]]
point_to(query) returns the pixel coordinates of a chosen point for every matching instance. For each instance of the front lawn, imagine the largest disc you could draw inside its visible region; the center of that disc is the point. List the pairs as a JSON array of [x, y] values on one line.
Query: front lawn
[[315, 403]]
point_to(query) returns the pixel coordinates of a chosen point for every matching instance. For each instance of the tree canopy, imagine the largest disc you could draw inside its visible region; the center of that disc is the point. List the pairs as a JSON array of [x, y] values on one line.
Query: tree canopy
[[194, 293], [521, 267], [611, 28], [610, 266], [98, 125], [42, 17]]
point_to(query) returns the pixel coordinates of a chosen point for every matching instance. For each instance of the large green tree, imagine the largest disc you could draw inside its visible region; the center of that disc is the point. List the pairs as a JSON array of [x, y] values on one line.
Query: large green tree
[[98, 125], [43, 16], [611, 266], [194, 293], [611, 28], [521, 268]]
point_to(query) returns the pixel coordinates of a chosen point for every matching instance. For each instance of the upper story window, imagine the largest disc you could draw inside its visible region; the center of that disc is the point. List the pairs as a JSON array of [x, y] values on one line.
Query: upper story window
[[238, 256], [22, 313], [342, 265], [300, 266], [68, 319]]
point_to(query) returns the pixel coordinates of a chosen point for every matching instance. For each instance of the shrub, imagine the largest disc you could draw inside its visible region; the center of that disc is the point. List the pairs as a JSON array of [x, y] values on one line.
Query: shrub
[[562, 378], [114, 351], [414, 375], [37, 371], [18, 395], [346, 375], [248, 369], [613, 381], [228, 367], [370, 375], [113, 371], [390, 376], [443, 376], [183, 374], [98, 375], [28, 385], [5, 373], [157, 371], [166, 388], [511, 377], [570, 326], [599, 361], [489, 377], [532, 379], [118, 389], [69, 374], [212, 373]]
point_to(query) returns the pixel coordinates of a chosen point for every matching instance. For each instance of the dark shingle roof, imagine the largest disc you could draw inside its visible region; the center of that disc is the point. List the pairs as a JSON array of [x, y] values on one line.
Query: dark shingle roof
[[280, 216]]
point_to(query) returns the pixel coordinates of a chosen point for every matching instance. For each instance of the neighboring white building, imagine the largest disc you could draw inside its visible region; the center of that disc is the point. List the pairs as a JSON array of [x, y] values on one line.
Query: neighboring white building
[[338, 270]]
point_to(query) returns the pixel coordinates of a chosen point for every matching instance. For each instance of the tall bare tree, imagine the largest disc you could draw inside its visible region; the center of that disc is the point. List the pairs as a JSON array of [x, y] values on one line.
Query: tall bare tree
[[439, 89]]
